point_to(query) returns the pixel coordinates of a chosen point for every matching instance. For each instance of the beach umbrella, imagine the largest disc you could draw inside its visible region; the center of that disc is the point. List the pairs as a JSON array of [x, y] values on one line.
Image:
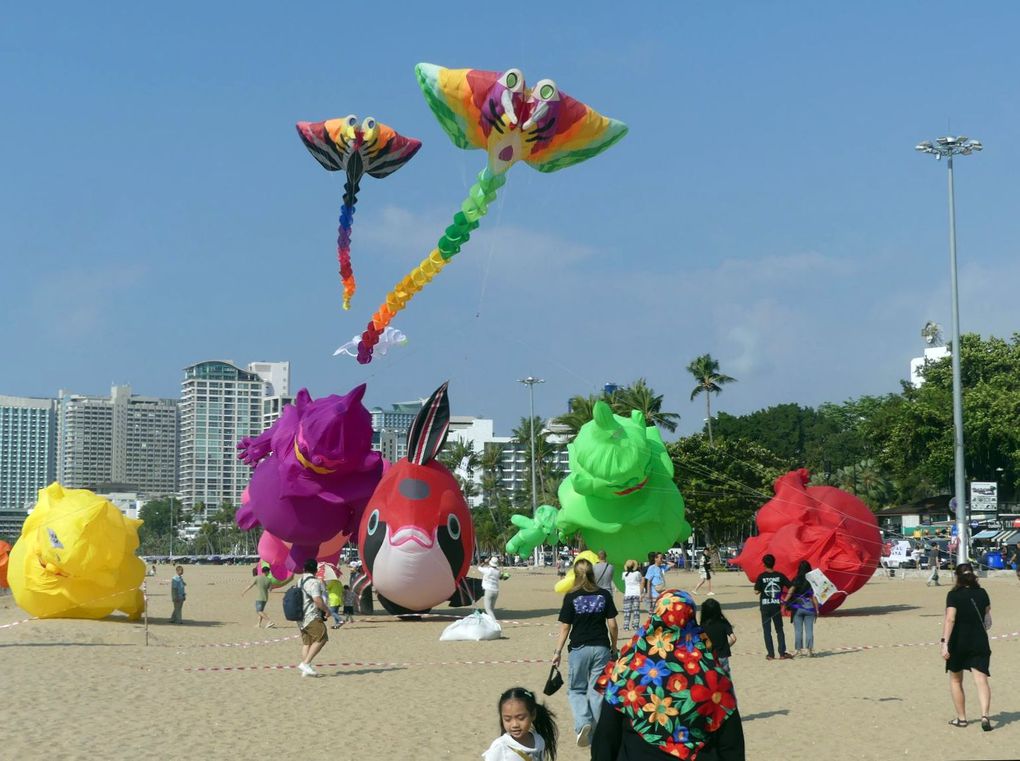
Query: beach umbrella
[[328, 572]]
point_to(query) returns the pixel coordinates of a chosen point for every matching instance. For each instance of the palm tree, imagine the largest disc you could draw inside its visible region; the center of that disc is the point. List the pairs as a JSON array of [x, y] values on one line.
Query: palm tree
[[491, 461], [581, 411], [706, 372], [637, 396], [546, 474], [641, 397], [866, 480], [460, 457]]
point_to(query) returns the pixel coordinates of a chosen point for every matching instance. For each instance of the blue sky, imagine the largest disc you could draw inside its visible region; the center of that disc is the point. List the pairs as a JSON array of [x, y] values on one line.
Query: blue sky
[[766, 207]]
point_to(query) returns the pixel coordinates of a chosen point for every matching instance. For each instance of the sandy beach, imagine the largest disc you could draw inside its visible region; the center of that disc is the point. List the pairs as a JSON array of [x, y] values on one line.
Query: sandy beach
[[219, 688]]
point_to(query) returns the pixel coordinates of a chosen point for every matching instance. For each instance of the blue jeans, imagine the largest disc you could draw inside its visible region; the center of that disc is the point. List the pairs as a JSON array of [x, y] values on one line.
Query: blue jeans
[[804, 629], [586, 664]]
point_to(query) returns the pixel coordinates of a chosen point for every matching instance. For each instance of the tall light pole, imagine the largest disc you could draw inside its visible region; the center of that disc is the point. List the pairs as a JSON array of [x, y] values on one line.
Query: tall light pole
[[948, 147], [530, 382]]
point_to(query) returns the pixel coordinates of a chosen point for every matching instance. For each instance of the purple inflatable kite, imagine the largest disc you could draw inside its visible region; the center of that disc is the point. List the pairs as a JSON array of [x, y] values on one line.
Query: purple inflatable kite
[[314, 472]]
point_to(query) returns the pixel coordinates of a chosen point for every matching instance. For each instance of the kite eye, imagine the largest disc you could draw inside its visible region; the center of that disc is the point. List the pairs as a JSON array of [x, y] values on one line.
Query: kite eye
[[373, 522], [546, 90], [453, 526], [513, 79], [368, 125], [351, 120]]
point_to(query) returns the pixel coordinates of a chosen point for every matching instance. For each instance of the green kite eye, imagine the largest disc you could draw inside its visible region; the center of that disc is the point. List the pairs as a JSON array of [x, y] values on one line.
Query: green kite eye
[[546, 89], [513, 79]]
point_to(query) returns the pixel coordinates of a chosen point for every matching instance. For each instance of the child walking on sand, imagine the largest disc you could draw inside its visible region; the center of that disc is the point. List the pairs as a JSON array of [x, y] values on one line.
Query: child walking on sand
[[349, 599], [719, 631], [632, 579], [528, 727]]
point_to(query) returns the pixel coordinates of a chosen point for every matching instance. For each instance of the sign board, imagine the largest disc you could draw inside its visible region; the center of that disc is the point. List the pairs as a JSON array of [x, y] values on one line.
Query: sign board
[[824, 589], [984, 496]]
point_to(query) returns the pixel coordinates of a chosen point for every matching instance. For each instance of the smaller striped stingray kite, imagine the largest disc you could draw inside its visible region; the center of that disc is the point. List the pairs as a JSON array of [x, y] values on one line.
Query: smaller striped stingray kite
[[369, 148], [541, 126]]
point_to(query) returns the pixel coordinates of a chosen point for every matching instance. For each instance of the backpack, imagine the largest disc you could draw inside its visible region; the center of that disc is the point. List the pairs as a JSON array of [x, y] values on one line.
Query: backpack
[[294, 603]]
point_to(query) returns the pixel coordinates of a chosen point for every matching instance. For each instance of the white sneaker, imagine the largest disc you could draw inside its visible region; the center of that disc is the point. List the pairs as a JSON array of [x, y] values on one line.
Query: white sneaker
[[307, 670], [710, 594], [584, 736]]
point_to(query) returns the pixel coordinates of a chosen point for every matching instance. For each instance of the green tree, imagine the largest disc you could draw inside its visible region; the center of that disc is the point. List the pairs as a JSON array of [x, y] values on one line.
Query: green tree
[[709, 381], [635, 396], [919, 450], [460, 457], [867, 480], [580, 411], [158, 516], [784, 429], [641, 397], [723, 483], [547, 475]]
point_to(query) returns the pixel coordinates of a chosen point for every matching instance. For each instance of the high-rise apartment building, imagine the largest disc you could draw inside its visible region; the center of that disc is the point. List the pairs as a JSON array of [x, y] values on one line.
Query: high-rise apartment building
[[124, 440], [221, 404], [275, 390], [389, 428], [28, 441]]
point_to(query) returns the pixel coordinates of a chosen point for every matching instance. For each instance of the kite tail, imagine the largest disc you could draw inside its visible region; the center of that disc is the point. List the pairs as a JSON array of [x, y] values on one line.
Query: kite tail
[[481, 194], [343, 240]]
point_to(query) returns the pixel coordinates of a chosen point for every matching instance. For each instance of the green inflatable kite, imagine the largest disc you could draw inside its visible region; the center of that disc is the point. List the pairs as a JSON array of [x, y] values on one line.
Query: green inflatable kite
[[620, 494]]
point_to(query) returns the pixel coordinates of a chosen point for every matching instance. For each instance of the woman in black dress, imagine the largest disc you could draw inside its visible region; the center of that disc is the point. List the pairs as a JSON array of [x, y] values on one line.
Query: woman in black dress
[[965, 642]]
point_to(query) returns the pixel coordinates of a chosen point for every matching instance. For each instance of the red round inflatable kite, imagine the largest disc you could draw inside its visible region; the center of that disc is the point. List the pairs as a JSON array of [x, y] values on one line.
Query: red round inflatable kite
[[831, 529], [5, 551]]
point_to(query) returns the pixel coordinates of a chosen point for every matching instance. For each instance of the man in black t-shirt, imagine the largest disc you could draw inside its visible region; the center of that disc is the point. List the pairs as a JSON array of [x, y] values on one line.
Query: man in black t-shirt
[[769, 586]]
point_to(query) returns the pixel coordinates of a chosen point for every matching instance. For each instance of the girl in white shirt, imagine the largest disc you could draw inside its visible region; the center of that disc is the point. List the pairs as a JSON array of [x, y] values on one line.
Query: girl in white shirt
[[632, 579], [529, 729]]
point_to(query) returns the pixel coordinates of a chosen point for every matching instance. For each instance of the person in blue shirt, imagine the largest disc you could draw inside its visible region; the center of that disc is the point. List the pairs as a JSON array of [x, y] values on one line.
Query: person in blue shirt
[[655, 579], [177, 595]]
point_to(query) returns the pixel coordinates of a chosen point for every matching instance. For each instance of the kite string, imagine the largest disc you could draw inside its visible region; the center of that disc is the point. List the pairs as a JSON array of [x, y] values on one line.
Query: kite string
[[481, 194], [488, 259]]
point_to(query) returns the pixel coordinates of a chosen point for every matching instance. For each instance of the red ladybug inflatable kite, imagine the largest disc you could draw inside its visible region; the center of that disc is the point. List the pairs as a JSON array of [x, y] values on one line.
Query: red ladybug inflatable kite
[[831, 529]]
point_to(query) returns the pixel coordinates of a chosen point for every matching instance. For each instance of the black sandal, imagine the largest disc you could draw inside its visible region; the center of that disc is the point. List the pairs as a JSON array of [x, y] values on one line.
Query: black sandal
[[961, 723], [986, 724]]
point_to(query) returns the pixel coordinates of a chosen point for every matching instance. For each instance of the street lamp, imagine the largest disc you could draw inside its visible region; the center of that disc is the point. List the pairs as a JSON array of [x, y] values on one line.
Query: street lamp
[[530, 382], [949, 147]]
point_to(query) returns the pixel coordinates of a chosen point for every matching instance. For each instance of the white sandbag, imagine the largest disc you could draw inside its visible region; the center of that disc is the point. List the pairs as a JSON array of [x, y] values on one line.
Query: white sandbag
[[473, 628]]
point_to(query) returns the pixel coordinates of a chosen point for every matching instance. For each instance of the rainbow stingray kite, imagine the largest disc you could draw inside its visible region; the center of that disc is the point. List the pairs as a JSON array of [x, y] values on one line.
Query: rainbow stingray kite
[[541, 126], [371, 148]]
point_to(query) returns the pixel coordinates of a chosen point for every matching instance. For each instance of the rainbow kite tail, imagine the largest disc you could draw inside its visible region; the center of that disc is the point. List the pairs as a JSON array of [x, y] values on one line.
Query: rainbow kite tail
[[481, 194], [343, 240]]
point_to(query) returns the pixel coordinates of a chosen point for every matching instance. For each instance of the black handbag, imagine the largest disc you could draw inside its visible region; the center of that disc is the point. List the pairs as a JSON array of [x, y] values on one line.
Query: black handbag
[[554, 682]]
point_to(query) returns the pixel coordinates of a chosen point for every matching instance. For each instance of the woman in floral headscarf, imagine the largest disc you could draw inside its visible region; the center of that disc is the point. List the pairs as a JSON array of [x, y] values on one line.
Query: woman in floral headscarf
[[668, 694]]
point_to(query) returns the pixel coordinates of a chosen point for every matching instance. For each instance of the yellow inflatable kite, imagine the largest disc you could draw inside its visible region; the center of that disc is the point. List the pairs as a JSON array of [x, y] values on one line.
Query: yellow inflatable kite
[[76, 558], [565, 584]]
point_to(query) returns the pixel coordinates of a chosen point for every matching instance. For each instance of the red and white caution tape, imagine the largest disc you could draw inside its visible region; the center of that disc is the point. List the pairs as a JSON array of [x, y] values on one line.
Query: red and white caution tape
[[363, 664], [254, 643], [15, 623], [860, 648]]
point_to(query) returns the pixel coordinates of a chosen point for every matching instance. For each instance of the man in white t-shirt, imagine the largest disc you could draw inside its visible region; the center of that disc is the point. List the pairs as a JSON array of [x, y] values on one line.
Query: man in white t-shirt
[[313, 624], [490, 584]]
